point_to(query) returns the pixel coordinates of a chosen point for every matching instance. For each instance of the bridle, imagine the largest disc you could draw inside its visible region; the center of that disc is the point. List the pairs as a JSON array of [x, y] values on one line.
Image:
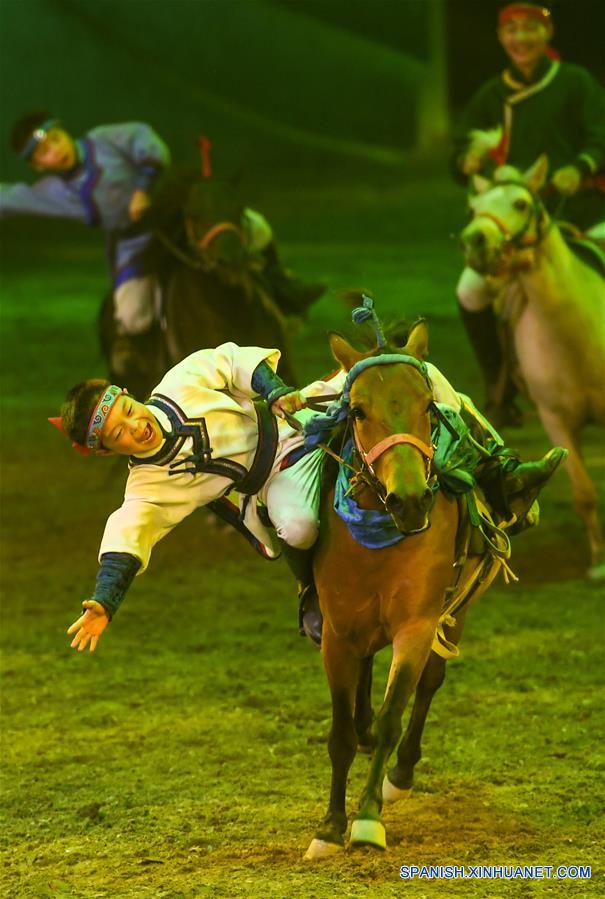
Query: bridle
[[520, 239], [368, 458], [201, 262], [219, 228], [365, 473]]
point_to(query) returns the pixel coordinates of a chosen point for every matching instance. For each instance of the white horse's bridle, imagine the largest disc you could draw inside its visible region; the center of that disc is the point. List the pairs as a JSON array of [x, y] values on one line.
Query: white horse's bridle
[[520, 238]]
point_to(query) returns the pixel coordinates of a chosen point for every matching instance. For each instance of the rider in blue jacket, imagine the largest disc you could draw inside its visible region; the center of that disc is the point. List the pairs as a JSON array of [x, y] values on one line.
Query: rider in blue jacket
[[103, 179]]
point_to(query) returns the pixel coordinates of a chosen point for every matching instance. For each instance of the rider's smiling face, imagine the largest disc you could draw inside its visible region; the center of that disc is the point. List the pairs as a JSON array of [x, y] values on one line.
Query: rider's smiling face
[[524, 40], [55, 153], [131, 428]]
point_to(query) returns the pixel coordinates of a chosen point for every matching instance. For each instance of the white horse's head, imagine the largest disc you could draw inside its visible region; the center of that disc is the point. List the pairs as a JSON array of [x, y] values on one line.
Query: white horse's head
[[508, 217]]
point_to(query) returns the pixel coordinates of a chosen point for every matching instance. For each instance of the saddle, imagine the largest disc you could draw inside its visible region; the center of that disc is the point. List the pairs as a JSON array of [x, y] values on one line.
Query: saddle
[[590, 250], [478, 535]]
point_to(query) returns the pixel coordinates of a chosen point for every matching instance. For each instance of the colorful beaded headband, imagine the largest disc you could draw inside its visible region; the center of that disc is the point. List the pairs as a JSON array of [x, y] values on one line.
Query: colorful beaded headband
[[99, 416], [37, 136]]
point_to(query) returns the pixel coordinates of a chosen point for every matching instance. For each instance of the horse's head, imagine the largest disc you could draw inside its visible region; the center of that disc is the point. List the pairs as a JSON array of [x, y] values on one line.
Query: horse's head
[[508, 218], [213, 227], [390, 404]]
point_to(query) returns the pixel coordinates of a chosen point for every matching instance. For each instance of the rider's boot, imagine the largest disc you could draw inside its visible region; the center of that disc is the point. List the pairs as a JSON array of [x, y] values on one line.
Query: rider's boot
[[512, 487], [300, 563], [482, 331], [291, 294]]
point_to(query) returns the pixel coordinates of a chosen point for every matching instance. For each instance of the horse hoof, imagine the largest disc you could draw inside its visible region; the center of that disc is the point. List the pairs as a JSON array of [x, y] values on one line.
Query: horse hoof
[[597, 572], [391, 793], [368, 833], [321, 849]]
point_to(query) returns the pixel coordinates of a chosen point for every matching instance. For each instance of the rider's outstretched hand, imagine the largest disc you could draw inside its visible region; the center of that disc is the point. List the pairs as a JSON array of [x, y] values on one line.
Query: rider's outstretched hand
[[291, 402], [89, 626], [567, 180]]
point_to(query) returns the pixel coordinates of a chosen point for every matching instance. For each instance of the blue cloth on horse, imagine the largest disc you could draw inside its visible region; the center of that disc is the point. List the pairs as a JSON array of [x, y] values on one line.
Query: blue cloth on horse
[[370, 527]]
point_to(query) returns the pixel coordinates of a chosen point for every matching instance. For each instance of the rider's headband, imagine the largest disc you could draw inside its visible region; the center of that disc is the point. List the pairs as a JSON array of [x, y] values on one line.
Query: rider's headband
[[524, 9], [99, 416], [37, 136]]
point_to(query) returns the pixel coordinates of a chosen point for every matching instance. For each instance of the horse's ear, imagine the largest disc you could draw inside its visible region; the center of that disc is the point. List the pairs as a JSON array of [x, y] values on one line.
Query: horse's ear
[[418, 341], [480, 184], [535, 176], [342, 351]]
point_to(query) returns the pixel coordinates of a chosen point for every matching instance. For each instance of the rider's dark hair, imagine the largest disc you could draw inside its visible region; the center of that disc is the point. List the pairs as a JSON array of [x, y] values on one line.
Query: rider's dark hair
[[78, 407], [24, 128]]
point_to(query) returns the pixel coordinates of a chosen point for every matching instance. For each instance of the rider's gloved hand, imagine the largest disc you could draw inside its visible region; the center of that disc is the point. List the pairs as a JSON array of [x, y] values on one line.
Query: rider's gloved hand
[[567, 180]]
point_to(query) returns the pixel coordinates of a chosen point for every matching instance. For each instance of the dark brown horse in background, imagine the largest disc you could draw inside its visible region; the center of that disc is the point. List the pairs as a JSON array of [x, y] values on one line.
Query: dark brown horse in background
[[395, 595], [211, 288]]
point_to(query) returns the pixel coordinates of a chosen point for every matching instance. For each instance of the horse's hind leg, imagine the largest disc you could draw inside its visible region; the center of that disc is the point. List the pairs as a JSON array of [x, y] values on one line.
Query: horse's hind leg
[[398, 782], [583, 488], [342, 670], [411, 649]]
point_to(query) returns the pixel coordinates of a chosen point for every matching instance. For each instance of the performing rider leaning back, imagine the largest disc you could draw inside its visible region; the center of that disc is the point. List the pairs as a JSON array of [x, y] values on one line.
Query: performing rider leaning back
[[215, 424]]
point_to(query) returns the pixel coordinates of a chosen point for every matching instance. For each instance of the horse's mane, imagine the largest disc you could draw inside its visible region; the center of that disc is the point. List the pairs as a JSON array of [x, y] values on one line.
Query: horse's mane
[[183, 190], [396, 334]]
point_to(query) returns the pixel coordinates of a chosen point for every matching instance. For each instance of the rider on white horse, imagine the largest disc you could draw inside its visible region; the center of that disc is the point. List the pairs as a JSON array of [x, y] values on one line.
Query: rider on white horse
[[537, 105]]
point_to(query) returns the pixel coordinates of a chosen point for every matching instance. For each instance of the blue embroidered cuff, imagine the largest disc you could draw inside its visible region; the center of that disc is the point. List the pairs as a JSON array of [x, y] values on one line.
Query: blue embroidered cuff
[[113, 580], [268, 384]]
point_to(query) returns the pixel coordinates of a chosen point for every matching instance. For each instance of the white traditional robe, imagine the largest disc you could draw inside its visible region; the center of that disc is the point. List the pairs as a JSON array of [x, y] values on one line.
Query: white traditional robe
[[213, 384]]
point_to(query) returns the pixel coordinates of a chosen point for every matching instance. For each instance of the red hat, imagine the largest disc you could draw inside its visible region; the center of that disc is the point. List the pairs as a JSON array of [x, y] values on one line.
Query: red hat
[[534, 10]]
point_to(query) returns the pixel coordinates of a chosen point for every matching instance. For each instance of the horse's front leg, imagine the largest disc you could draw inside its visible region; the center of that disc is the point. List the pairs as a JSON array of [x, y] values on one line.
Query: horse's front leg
[[363, 707], [342, 670], [398, 782], [411, 648]]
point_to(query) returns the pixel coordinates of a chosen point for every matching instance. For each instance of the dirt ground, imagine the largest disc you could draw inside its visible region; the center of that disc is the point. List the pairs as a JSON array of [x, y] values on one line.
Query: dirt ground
[[186, 757]]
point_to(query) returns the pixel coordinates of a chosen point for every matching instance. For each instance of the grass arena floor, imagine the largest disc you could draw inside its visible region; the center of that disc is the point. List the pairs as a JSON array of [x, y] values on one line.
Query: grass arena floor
[[187, 756]]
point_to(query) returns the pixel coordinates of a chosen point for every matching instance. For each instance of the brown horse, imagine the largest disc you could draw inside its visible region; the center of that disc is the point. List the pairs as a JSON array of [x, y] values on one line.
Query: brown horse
[[394, 595]]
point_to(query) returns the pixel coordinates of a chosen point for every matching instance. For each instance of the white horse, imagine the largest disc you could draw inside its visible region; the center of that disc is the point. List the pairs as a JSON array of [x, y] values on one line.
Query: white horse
[[554, 305]]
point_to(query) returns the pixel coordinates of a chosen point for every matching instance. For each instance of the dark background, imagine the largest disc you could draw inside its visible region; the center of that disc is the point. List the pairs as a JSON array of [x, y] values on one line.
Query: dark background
[[283, 85]]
